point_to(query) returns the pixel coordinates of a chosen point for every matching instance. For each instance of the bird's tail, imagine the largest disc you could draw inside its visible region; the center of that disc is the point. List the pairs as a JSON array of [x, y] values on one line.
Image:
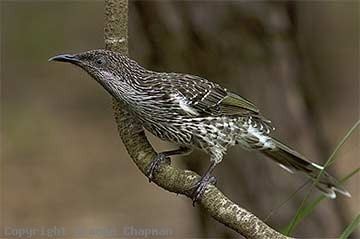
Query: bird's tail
[[291, 160]]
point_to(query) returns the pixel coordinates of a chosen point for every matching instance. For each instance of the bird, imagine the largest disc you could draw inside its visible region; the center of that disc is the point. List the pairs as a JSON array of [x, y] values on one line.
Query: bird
[[193, 112]]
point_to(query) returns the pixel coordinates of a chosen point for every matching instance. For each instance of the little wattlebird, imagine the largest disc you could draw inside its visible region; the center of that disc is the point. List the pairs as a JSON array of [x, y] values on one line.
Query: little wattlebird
[[191, 111]]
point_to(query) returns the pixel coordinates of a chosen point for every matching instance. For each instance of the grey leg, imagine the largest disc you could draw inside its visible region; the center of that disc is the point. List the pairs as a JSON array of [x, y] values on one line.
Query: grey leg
[[164, 157], [200, 186]]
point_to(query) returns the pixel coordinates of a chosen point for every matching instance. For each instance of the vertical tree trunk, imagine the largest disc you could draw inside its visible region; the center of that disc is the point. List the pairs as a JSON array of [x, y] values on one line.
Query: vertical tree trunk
[[116, 25]]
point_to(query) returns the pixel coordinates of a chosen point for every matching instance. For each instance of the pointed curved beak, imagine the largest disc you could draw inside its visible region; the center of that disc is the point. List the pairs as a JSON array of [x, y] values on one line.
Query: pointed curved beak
[[65, 58]]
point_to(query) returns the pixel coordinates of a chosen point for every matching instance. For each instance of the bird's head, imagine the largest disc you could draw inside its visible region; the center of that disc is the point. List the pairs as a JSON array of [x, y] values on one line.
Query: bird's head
[[101, 64], [114, 71]]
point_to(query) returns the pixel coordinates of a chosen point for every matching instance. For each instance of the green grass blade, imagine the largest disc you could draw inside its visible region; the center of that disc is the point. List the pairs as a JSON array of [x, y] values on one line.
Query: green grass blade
[[311, 206], [277, 208], [342, 142], [350, 228], [302, 210], [300, 215]]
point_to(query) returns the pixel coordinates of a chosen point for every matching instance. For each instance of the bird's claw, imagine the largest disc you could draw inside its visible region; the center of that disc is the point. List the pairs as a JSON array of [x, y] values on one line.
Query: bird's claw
[[200, 187], [155, 163]]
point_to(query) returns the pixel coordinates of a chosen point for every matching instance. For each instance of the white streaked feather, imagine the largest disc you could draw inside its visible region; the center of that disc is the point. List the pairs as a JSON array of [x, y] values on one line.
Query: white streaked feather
[[286, 168], [184, 106], [317, 166], [346, 193], [264, 139], [187, 108], [330, 194]]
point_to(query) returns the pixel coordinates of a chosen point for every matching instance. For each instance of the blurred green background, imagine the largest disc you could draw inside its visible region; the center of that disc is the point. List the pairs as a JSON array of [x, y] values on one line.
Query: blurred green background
[[63, 164]]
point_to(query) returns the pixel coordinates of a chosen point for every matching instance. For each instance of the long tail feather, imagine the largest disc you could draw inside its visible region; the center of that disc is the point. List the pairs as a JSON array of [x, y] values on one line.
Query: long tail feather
[[292, 160]]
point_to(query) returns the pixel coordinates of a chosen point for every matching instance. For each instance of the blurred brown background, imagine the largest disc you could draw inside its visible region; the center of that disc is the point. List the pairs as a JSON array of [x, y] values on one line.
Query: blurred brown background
[[63, 165]]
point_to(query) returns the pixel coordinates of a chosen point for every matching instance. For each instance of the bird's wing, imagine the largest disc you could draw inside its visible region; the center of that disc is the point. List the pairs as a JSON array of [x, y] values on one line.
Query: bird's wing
[[232, 103], [208, 98]]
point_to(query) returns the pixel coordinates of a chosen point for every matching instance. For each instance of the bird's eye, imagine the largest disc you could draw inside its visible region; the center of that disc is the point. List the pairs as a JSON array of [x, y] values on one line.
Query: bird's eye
[[101, 61]]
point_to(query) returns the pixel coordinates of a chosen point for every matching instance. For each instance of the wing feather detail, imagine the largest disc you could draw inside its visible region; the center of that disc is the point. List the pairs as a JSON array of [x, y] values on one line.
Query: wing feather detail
[[211, 98], [208, 98]]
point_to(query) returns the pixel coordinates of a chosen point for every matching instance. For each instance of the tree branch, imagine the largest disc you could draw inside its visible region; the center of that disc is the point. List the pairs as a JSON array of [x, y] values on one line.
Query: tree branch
[[170, 178]]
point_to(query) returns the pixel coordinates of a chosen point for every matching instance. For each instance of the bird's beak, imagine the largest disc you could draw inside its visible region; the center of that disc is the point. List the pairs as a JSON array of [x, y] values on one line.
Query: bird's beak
[[65, 58]]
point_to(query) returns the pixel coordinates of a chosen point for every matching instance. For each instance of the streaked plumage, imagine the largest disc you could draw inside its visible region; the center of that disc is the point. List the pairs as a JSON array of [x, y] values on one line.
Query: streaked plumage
[[193, 112]]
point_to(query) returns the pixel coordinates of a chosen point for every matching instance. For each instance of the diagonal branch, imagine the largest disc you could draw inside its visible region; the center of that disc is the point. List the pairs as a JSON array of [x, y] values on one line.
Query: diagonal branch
[[170, 178], [178, 181]]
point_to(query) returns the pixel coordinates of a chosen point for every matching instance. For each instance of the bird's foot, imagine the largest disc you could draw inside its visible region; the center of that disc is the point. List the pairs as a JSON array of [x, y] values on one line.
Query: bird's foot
[[199, 188], [155, 163]]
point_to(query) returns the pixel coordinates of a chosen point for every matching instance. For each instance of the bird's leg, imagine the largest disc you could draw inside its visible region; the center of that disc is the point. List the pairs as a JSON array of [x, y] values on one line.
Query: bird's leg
[[164, 157], [205, 180]]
